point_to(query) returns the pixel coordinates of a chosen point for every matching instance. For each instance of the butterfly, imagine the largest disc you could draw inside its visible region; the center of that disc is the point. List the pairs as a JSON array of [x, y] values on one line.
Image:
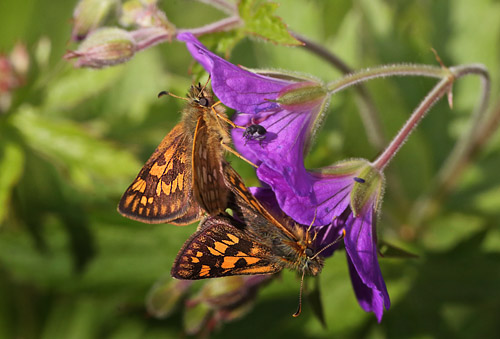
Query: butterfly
[[259, 243], [183, 178]]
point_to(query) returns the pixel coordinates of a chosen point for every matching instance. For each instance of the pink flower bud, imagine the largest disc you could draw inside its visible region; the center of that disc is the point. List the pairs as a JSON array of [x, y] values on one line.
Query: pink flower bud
[[143, 13], [104, 47]]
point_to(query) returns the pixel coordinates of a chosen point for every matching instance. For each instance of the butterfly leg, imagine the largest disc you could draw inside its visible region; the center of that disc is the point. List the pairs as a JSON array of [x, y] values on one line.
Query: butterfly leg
[[223, 118], [231, 150]]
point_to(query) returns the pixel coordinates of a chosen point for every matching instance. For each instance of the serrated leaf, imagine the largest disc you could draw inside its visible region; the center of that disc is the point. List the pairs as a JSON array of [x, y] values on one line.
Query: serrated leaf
[[260, 20], [223, 42]]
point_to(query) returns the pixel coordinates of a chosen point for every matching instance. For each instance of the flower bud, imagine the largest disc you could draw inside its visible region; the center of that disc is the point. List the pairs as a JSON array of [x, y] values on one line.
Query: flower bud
[[104, 47], [164, 296], [301, 96], [20, 59], [143, 13], [88, 15]]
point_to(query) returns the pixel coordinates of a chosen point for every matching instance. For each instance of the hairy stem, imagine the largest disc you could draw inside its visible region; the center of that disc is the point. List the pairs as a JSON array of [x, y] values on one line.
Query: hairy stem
[[368, 111], [482, 127]]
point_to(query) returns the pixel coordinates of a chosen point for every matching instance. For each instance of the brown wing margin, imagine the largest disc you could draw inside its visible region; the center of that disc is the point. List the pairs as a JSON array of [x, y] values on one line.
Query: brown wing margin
[[162, 191], [219, 249]]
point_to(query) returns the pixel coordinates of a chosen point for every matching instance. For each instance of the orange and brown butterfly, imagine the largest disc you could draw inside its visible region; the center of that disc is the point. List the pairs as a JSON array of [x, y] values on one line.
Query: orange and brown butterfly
[[259, 244], [183, 178]]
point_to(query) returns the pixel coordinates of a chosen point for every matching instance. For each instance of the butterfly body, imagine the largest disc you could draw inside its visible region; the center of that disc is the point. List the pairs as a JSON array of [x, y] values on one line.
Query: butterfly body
[[183, 178]]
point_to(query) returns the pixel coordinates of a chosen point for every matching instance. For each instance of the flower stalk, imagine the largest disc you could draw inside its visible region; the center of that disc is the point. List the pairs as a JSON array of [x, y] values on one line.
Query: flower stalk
[[480, 130]]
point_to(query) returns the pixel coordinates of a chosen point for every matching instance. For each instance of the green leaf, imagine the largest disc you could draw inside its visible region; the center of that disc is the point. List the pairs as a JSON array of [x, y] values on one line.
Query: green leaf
[[387, 250], [11, 169], [314, 298], [260, 20], [78, 85], [223, 42], [87, 159]]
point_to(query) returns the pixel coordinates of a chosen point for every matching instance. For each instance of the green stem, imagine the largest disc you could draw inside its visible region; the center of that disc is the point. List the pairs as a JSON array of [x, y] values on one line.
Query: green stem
[[368, 111], [386, 71], [434, 95]]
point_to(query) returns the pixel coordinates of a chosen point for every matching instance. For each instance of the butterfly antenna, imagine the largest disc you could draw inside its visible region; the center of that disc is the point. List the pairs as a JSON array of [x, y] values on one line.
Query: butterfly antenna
[[206, 83], [163, 93], [299, 309], [342, 236]]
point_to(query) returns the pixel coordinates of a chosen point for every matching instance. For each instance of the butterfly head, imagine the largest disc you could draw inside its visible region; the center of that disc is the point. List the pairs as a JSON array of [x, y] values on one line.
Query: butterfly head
[[312, 264], [200, 95]]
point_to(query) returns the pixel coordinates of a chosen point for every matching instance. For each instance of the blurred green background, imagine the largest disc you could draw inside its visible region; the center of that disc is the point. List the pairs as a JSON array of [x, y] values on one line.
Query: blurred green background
[[73, 140]]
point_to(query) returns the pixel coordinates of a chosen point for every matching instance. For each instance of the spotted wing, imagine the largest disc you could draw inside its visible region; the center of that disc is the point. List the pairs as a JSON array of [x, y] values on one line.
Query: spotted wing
[[220, 249], [253, 213], [209, 189], [162, 191]]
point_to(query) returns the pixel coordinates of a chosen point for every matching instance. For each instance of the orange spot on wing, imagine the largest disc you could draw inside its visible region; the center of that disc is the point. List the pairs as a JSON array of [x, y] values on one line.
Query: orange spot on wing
[[157, 170], [174, 185], [252, 260], [220, 247], [165, 188], [134, 205], [229, 262], [214, 251], [233, 238], [139, 185], [144, 200], [180, 181], [259, 270], [128, 200], [205, 270]]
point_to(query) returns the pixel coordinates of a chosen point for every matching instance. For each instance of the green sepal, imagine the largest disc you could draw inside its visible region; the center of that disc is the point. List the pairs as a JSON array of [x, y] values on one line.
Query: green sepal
[[369, 187]]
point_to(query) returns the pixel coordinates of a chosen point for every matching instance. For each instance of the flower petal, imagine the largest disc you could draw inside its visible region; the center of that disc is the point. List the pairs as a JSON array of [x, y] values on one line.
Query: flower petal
[[328, 197], [360, 244], [369, 299], [237, 88]]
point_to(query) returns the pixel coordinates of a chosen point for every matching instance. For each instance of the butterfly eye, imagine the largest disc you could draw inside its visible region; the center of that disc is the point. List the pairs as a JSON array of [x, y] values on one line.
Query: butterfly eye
[[203, 102], [309, 252]]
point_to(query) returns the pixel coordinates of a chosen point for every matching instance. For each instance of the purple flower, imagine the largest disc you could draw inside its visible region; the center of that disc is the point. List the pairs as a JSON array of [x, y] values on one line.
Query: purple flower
[[287, 107], [340, 197], [343, 197]]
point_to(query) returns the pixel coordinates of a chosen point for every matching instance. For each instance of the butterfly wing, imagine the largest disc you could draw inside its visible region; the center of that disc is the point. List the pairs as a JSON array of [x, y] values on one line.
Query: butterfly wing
[[220, 249], [162, 191], [253, 213], [207, 159]]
